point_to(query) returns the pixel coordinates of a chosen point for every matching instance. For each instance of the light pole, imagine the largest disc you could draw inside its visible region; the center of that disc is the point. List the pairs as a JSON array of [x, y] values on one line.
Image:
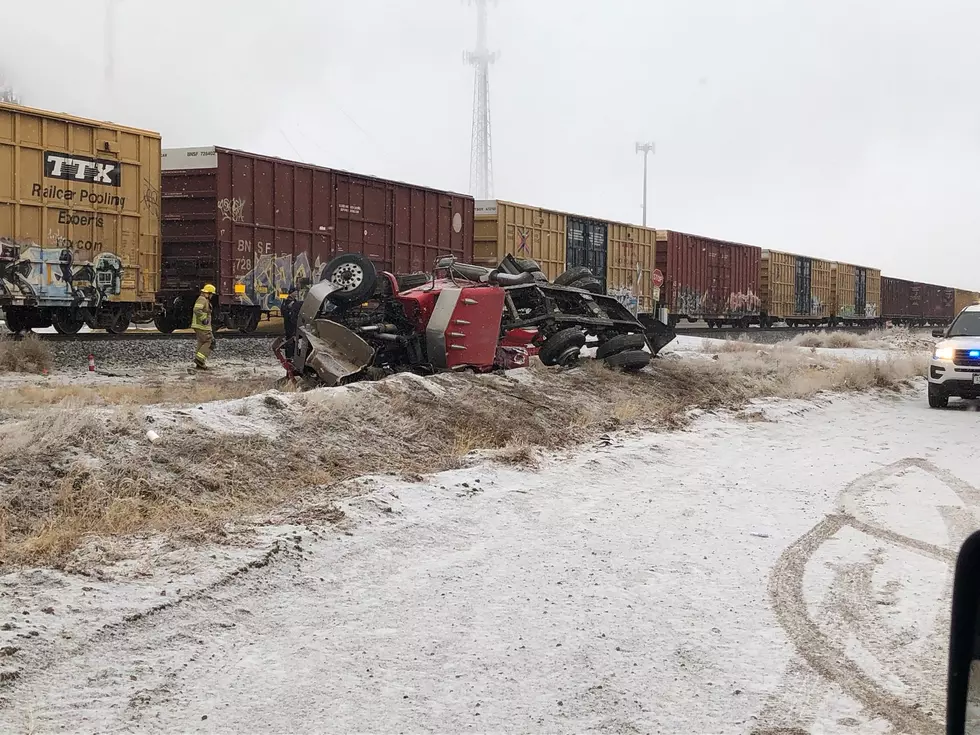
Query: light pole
[[646, 149]]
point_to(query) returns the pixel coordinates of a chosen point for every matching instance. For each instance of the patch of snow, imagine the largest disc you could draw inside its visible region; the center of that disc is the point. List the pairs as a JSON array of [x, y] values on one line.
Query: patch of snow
[[627, 587], [259, 415]]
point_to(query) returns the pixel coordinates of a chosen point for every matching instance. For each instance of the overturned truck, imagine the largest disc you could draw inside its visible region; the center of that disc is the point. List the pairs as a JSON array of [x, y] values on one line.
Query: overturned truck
[[357, 324]]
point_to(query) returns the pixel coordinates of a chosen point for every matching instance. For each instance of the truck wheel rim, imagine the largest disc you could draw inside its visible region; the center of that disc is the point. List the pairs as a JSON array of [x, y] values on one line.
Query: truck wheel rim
[[348, 276]]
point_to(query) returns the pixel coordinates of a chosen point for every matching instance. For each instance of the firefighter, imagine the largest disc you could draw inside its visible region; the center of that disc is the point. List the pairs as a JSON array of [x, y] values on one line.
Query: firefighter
[[290, 317], [201, 324]]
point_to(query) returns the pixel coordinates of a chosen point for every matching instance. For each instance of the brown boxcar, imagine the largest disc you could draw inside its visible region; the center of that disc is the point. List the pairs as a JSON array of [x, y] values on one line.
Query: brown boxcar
[[938, 304], [915, 303], [254, 226], [709, 279], [79, 221], [857, 293], [897, 300], [795, 288]]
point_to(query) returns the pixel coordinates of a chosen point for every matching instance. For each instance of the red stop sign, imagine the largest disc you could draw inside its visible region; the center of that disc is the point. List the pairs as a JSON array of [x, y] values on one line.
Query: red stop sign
[[657, 277]]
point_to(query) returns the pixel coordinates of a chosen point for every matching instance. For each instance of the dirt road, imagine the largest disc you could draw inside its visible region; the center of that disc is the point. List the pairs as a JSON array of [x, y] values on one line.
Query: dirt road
[[787, 570]]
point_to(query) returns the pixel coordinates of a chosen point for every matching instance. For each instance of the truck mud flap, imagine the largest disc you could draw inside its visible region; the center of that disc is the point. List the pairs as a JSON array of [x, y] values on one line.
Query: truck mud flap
[[333, 352], [658, 334]]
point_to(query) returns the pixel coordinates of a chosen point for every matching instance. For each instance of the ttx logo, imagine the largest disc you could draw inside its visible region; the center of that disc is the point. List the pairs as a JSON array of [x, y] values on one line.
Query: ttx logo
[[79, 168]]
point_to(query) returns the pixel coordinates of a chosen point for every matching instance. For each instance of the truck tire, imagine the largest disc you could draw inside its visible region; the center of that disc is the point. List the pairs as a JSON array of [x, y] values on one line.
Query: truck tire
[[620, 343], [562, 348], [937, 397], [412, 280], [589, 283], [630, 361], [527, 265], [572, 275], [354, 274]]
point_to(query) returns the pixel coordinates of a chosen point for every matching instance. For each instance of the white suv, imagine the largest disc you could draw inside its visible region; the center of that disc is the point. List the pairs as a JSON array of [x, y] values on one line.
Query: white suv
[[955, 366]]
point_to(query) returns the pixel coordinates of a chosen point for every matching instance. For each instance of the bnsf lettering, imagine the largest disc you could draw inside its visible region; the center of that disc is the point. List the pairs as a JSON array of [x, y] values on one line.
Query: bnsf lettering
[[80, 168], [86, 195], [72, 218]]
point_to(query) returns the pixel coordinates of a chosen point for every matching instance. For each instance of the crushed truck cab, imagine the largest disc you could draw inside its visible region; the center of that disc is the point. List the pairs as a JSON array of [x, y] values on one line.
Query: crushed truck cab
[[358, 324]]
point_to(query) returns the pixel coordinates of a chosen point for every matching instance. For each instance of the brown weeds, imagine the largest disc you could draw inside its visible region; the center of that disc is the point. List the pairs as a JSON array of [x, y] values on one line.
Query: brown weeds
[[76, 471], [26, 398], [27, 355], [830, 340]]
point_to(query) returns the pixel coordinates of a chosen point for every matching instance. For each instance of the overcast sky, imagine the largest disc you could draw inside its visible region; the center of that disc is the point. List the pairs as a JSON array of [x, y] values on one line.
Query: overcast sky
[[844, 129]]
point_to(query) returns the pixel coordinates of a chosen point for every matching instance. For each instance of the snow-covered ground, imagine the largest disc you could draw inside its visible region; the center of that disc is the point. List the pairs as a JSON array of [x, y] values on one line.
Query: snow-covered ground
[[783, 570]]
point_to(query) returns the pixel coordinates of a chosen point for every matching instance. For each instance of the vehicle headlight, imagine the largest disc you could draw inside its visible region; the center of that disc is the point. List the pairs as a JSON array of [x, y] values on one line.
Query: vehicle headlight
[[944, 353]]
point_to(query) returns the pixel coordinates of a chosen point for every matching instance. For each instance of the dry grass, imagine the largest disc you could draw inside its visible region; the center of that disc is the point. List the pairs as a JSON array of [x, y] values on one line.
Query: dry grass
[[742, 344], [25, 398], [27, 355], [66, 475], [830, 340]]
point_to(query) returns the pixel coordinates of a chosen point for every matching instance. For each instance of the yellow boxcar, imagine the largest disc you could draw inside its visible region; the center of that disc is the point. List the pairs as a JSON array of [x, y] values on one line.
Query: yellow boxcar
[[630, 261], [79, 214], [857, 292], [504, 228], [963, 299], [795, 287]]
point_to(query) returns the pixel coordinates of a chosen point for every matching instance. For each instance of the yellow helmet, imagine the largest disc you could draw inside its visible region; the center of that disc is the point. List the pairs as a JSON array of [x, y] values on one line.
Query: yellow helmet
[[208, 288]]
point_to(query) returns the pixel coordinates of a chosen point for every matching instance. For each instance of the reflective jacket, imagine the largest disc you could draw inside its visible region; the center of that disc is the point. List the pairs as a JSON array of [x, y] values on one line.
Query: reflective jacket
[[202, 314]]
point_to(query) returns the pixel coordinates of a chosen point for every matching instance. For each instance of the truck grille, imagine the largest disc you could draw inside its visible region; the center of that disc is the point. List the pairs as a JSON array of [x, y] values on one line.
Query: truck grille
[[962, 357]]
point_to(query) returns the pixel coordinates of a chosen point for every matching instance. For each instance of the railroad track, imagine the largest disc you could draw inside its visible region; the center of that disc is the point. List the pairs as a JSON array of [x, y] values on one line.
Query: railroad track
[[768, 334], [137, 335], [788, 331]]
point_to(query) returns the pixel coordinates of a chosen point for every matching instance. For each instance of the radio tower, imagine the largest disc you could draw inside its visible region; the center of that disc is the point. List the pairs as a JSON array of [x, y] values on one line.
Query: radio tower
[[481, 150], [7, 93], [109, 41]]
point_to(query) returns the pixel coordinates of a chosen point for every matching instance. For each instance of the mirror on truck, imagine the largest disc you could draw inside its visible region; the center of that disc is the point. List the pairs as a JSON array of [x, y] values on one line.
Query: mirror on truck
[[963, 682], [938, 332]]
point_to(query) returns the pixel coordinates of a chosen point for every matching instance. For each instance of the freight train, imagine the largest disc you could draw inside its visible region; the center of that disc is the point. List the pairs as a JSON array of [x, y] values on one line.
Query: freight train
[[101, 226]]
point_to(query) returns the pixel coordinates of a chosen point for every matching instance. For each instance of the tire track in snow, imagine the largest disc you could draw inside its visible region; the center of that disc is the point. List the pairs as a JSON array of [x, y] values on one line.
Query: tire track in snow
[[825, 655]]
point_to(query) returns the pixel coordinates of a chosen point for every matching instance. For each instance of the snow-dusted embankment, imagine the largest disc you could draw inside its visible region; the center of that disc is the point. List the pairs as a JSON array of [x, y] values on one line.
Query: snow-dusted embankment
[[786, 567]]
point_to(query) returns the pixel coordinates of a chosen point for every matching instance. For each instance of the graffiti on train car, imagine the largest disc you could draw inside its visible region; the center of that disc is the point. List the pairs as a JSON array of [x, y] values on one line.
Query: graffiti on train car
[[744, 303], [273, 276], [848, 311], [57, 273], [691, 301], [626, 296]]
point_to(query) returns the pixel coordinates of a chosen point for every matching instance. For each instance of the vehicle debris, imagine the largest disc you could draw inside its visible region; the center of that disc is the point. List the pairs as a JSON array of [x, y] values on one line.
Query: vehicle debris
[[357, 324]]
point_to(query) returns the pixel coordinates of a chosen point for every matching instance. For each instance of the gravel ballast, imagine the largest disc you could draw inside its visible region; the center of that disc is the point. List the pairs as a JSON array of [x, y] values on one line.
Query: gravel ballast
[[116, 354]]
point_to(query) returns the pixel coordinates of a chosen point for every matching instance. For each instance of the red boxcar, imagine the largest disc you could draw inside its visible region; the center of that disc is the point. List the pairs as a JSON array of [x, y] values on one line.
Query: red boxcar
[[915, 303], [254, 226], [709, 279]]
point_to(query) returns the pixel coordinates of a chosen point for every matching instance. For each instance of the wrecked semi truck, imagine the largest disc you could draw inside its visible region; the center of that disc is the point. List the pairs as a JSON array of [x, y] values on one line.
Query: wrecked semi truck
[[358, 324]]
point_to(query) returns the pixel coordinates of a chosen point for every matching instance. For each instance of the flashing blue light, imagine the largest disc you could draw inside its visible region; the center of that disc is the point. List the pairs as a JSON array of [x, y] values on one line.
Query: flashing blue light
[[974, 353]]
